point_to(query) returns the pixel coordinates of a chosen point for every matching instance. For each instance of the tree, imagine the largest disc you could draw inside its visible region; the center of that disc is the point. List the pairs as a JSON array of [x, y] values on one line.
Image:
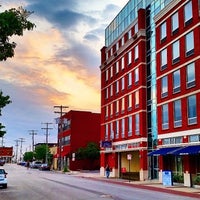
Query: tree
[[91, 152], [4, 100], [28, 156], [2, 132], [41, 152], [12, 22]]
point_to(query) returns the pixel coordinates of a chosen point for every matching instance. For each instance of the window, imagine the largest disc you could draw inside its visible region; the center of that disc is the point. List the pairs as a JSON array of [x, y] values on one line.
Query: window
[[123, 105], [129, 34], [189, 44], [129, 101], [117, 86], [122, 83], [163, 31], [106, 93], [192, 110], [117, 129], [111, 71], [123, 127], [106, 75], [130, 126], [111, 109], [106, 131], [117, 107], [163, 57], [176, 81], [129, 79], [164, 86], [136, 99], [117, 67], [106, 108], [188, 13], [194, 138], [117, 46], [165, 117], [177, 114], [122, 63], [136, 52], [136, 28], [175, 23], [111, 90], [190, 75], [111, 131], [111, 51], [122, 41], [137, 124], [176, 52], [129, 57], [136, 75]]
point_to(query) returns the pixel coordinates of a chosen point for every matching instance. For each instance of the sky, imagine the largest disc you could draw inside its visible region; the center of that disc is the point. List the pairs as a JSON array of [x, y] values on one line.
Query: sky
[[55, 64]]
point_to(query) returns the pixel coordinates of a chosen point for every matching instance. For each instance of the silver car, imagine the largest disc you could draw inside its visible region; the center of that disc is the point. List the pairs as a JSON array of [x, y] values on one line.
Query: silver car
[[3, 178]]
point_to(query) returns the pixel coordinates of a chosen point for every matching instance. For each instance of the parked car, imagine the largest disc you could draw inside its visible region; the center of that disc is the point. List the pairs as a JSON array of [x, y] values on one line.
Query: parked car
[[3, 178], [2, 162], [44, 167], [36, 164]]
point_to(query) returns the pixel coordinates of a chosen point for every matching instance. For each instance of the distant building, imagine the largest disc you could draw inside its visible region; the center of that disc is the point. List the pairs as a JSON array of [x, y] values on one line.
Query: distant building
[[75, 130], [6, 154], [150, 90]]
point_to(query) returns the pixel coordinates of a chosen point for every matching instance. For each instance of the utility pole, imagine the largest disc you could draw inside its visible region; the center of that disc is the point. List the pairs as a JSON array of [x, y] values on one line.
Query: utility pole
[[60, 124], [47, 134], [21, 140], [17, 145], [33, 133]]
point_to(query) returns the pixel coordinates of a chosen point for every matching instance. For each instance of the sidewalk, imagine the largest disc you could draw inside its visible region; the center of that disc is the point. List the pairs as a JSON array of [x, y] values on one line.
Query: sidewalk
[[148, 184]]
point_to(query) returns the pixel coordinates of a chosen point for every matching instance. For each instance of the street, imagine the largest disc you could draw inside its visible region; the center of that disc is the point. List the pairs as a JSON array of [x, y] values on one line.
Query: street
[[33, 184]]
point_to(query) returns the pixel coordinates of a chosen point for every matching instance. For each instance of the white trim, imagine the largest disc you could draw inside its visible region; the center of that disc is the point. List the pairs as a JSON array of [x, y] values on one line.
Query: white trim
[[179, 97], [178, 134]]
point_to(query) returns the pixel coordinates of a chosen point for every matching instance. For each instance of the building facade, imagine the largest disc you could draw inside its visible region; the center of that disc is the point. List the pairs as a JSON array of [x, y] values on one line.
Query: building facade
[[150, 89], [76, 130], [6, 154], [178, 88]]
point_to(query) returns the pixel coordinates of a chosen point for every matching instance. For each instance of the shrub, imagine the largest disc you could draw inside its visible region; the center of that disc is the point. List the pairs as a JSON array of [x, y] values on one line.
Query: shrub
[[178, 178], [197, 180]]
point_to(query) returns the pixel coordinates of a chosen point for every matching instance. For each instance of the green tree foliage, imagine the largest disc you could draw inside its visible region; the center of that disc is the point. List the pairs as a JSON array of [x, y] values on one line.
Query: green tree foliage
[[4, 100], [91, 152], [12, 22], [28, 156], [41, 152], [2, 132]]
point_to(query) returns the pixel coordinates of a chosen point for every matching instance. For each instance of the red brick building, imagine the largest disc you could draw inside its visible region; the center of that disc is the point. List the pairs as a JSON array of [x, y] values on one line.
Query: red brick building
[[150, 80], [78, 128], [178, 88], [123, 103], [6, 153]]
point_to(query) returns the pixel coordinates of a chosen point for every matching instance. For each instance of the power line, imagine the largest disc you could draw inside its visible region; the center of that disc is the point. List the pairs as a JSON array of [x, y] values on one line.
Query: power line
[[47, 128], [17, 145], [60, 129], [21, 140], [33, 133]]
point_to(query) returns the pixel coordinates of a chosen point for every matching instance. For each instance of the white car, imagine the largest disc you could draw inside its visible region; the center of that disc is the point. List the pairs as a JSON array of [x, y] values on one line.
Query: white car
[[3, 178]]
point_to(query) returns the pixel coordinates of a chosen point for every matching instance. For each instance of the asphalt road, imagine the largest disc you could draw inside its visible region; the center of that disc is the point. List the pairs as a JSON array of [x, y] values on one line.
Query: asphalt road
[[33, 184]]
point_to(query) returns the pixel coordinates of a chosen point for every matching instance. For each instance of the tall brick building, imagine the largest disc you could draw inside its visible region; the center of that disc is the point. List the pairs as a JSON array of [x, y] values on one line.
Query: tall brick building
[[150, 90]]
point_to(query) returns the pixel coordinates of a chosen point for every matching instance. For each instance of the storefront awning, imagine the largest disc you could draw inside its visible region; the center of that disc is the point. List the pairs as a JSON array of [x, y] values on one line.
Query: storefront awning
[[187, 150], [163, 151]]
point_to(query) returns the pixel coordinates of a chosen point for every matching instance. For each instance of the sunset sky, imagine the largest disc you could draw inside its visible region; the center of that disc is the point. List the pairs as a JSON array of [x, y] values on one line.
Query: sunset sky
[[55, 64]]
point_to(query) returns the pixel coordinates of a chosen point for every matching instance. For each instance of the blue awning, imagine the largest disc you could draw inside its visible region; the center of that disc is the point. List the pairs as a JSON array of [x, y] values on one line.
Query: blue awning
[[187, 150], [163, 151]]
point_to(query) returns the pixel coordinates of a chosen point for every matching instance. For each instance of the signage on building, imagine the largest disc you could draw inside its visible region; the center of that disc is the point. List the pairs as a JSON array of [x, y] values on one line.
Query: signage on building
[[106, 144], [129, 156]]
